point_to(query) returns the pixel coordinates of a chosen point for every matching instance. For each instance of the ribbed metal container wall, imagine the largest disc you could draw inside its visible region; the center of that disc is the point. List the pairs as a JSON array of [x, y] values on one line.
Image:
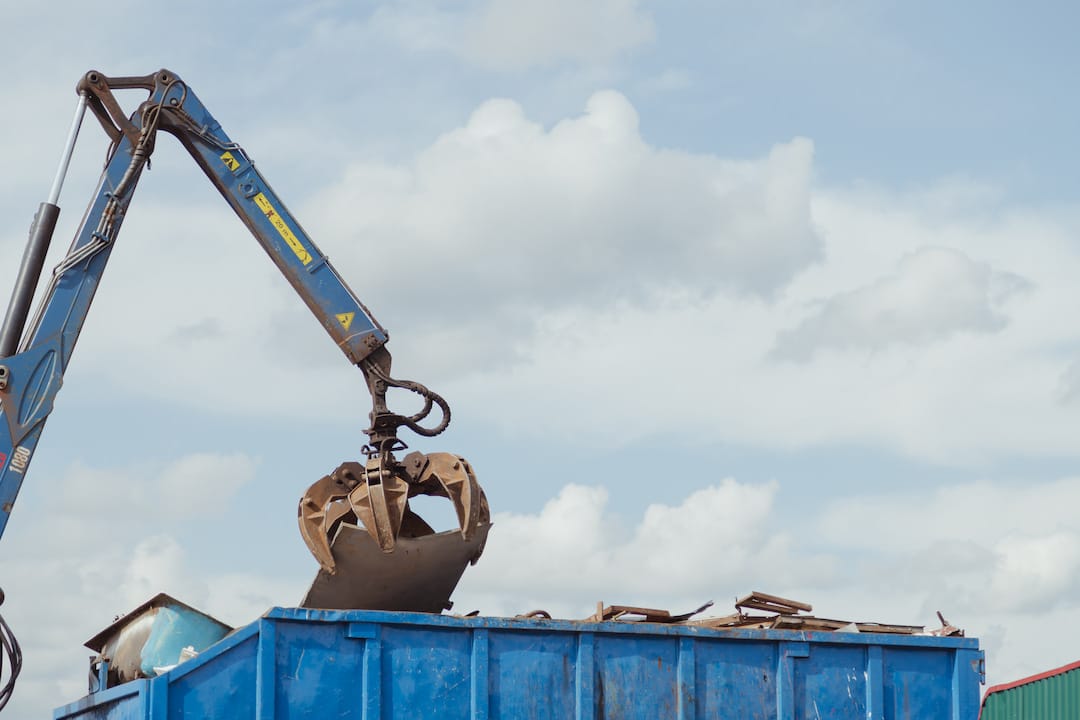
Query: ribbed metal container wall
[[366, 665], [1054, 695]]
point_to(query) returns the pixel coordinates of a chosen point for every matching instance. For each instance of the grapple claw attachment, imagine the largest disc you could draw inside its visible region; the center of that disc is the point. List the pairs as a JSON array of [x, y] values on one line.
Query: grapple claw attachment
[[314, 521], [380, 504], [454, 476], [375, 495]]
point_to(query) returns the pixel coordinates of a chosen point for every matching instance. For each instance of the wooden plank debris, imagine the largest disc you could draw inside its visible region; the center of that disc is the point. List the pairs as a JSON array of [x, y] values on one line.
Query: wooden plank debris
[[812, 624], [947, 629], [641, 614], [758, 600]]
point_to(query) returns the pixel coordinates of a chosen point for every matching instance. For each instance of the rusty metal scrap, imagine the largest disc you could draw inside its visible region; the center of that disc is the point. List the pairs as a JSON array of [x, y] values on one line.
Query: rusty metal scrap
[[774, 613], [418, 576], [629, 613], [946, 629], [737, 620], [813, 624], [374, 552]]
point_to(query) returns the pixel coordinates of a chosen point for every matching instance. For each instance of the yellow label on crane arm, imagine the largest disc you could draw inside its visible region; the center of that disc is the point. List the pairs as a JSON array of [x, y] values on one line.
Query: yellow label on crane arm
[[283, 229], [230, 161], [345, 319]]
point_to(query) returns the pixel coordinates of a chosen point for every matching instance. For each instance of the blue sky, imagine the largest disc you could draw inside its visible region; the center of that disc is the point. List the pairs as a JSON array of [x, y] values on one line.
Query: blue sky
[[790, 286]]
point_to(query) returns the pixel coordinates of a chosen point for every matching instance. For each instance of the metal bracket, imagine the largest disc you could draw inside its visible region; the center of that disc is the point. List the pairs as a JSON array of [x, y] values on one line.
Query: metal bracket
[[30, 400]]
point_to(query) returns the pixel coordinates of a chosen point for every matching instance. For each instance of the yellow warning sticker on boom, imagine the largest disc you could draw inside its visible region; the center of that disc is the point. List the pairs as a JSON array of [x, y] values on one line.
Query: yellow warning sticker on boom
[[230, 162], [283, 229], [345, 319]]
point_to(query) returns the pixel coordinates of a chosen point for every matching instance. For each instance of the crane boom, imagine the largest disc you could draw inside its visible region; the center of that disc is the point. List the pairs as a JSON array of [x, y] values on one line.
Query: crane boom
[[371, 495], [33, 357], [32, 376]]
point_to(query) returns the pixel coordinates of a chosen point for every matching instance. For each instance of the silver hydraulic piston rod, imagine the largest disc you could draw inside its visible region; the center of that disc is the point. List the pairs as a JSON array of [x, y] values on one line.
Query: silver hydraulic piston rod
[[41, 232]]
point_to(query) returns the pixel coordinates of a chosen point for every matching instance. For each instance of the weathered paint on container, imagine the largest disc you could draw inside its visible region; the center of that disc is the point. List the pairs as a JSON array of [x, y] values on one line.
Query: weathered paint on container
[[296, 663], [1052, 695]]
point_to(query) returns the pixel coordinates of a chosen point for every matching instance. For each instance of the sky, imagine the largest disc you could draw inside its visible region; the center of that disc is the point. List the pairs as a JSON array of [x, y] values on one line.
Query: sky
[[723, 298]]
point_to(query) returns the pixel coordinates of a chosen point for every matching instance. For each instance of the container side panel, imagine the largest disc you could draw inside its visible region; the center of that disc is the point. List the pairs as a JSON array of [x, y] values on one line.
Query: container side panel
[[969, 674], [129, 708], [382, 666], [830, 684], [220, 690], [425, 673], [736, 680], [636, 676], [124, 702], [531, 675], [319, 672], [918, 683]]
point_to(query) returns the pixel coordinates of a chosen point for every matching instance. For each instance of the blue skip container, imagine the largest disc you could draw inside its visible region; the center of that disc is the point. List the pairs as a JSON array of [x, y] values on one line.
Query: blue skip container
[[296, 663]]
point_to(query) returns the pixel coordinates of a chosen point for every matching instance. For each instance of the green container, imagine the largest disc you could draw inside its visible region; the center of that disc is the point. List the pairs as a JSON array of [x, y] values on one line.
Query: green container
[[1052, 695]]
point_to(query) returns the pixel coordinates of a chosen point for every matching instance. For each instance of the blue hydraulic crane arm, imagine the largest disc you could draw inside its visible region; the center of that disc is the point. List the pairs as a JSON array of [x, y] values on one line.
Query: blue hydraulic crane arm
[[31, 377], [33, 357], [231, 171]]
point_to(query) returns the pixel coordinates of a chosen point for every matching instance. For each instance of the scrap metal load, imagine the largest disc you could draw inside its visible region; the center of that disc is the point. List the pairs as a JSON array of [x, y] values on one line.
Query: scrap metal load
[[163, 634], [766, 612]]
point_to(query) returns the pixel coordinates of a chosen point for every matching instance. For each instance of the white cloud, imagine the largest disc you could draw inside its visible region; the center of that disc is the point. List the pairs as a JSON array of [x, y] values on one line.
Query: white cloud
[[197, 483], [896, 557], [519, 34], [942, 387], [999, 559], [501, 36], [973, 511], [522, 214], [987, 547], [221, 331], [508, 256], [458, 252], [509, 219], [575, 552], [1070, 383], [703, 375], [934, 294], [418, 26], [668, 81], [1035, 571], [205, 482], [157, 564]]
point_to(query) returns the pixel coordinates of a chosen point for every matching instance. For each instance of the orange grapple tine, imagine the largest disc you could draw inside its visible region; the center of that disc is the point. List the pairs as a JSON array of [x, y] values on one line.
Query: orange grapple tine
[[361, 506], [456, 477], [311, 516], [381, 508]]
